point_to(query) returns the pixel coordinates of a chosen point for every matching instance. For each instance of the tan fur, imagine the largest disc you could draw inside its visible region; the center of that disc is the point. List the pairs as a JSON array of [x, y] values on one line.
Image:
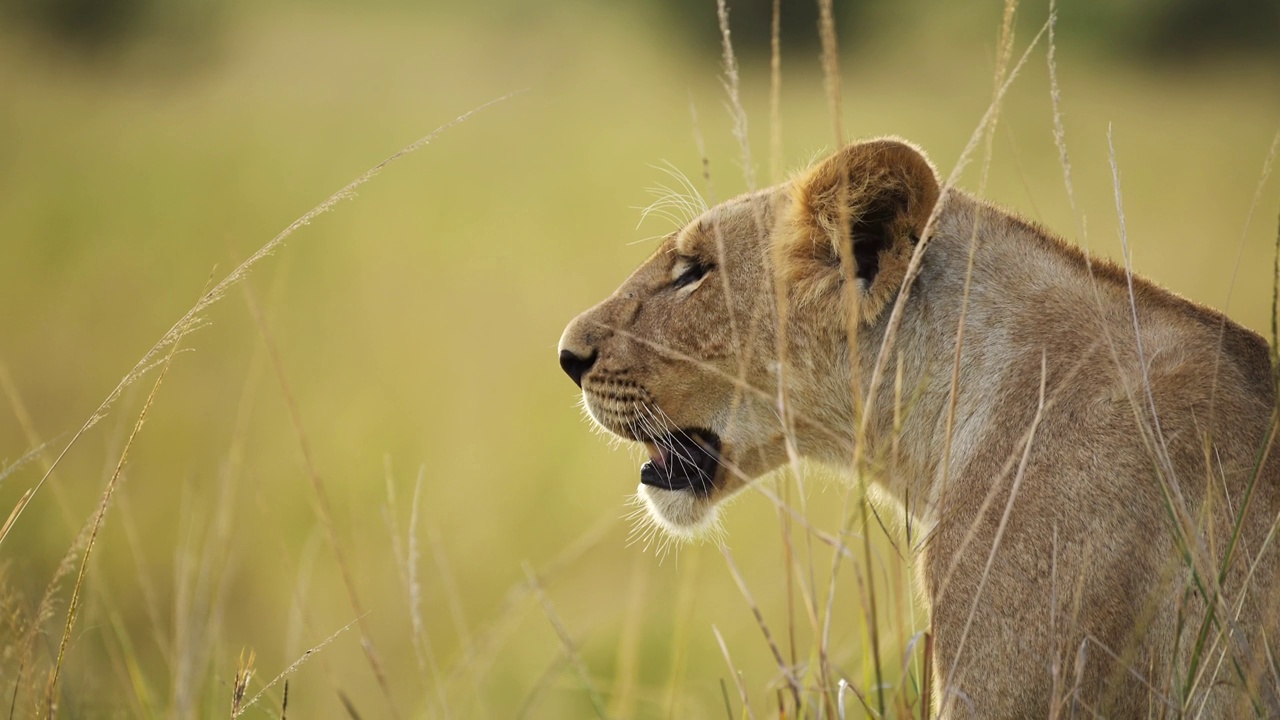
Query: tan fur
[[1112, 439]]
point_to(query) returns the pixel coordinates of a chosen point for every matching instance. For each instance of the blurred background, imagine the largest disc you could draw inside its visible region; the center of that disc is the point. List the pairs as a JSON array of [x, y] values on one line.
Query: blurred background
[[148, 146]]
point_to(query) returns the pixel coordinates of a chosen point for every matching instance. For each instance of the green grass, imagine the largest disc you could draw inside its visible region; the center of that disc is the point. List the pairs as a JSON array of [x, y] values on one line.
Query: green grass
[[416, 328]]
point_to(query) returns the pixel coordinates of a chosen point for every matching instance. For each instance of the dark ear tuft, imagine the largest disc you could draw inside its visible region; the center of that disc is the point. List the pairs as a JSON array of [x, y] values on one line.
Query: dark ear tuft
[[871, 232], [857, 215]]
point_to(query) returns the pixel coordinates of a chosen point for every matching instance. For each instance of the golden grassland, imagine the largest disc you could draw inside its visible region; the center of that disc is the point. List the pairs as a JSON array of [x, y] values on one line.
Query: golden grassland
[[414, 330]]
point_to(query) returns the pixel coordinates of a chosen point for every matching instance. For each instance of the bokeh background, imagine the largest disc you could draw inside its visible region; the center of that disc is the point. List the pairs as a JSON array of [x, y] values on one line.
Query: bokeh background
[[149, 146]]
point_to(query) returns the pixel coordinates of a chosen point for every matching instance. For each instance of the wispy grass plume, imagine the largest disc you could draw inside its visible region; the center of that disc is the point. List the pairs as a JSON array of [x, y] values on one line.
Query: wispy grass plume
[[732, 85], [239, 709], [831, 66]]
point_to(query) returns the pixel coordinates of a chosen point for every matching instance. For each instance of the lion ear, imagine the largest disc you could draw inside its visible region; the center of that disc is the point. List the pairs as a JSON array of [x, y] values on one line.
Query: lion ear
[[853, 221]]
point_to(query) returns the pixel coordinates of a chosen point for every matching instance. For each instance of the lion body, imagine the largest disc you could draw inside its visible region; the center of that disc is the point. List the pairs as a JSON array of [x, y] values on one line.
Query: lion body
[[1074, 446], [1088, 574]]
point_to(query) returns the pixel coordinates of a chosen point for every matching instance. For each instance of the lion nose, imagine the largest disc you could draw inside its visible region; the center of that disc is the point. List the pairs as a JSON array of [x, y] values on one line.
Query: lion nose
[[575, 365]]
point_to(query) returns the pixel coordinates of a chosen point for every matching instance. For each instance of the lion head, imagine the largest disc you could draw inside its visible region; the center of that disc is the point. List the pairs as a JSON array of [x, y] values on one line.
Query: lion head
[[752, 302]]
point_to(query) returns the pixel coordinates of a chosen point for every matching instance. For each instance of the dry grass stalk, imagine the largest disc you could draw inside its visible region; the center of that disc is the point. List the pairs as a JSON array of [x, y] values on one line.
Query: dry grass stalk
[[1181, 528], [204, 567], [788, 570], [1235, 270], [1175, 502], [685, 595], [737, 677], [239, 710], [872, 614], [1009, 466], [917, 256], [1267, 166], [406, 557], [324, 508], [739, 114], [28, 456], [571, 651], [1003, 54], [240, 683], [1060, 133], [831, 77], [731, 86], [844, 686], [787, 671], [1004, 518], [724, 695], [775, 93], [1127, 256], [926, 692], [44, 611], [789, 414], [493, 637], [1197, 559], [1275, 305], [831, 66]]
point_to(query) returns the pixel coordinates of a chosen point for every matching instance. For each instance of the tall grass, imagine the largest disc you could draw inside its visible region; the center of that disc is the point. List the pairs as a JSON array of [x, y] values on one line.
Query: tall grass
[[529, 604]]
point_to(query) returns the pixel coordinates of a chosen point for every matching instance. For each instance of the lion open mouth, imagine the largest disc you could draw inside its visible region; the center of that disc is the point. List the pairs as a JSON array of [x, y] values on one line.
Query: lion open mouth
[[684, 460]]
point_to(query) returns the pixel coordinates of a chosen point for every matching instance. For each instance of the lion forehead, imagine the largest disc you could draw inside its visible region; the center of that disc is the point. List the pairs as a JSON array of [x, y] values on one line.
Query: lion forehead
[[746, 216]]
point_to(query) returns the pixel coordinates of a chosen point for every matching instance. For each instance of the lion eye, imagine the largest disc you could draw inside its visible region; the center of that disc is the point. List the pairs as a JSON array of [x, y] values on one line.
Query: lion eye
[[691, 274]]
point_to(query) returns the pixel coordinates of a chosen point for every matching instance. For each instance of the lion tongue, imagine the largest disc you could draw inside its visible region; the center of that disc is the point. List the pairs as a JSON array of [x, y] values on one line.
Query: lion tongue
[[657, 455]]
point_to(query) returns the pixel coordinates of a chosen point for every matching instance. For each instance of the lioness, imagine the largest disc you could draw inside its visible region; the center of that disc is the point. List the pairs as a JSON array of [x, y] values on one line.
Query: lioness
[[1079, 466]]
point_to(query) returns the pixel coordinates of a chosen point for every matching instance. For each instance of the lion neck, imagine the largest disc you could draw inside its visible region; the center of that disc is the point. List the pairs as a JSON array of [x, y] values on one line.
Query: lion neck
[[899, 442]]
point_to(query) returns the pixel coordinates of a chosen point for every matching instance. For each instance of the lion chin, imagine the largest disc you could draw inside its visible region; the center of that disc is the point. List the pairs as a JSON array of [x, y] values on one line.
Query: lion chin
[[680, 513]]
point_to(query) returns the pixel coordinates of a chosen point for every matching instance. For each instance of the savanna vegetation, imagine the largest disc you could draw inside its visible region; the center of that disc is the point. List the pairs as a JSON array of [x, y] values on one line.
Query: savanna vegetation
[[361, 468]]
